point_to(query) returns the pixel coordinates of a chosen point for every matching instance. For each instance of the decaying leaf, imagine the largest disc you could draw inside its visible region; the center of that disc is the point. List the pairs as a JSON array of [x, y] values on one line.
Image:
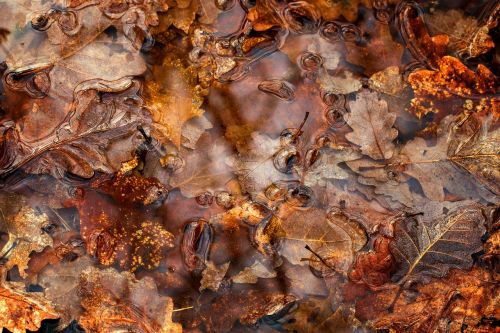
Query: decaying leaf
[[21, 310], [431, 247], [118, 302], [327, 165], [372, 124], [333, 238], [298, 166], [373, 268], [476, 149], [245, 306], [26, 234], [254, 166], [203, 172], [325, 319], [252, 273], [461, 302], [466, 37], [124, 230], [450, 85], [60, 285]]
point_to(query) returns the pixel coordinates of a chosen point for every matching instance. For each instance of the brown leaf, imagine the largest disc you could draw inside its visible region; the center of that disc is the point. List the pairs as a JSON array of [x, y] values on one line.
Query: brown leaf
[[373, 268], [118, 302], [212, 276], [20, 310], [60, 283], [431, 247], [204, 168], [333, 237], [476, 149], [372, 124], [458, 303], [173, 97], [247, 306], [325, 318], [81, 148]]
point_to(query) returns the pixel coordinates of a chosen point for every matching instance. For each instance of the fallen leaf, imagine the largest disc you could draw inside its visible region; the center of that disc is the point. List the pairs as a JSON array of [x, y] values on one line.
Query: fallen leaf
[[253, 273], [81, 148], [20, 310], [476, 149], [459, 302], [327, 165], [124, 231], [26, 234], [373, 268], [173, 97], [204, 168], [445, 89], [372, 124], [60, 283], [430, 248], [332, 237], [467, 37], [247, 306], [115, 301]]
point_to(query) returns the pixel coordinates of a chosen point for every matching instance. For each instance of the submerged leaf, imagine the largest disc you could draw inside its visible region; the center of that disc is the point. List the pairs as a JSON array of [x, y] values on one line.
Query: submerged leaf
[[26, 234], [430, 248], [173, 97], [20, 310], [372, 124], [118, 302]]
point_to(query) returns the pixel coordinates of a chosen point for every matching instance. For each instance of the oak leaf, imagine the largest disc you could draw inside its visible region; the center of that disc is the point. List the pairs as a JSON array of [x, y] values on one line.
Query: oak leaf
[[372, 124], [173, 97], [119, 226]]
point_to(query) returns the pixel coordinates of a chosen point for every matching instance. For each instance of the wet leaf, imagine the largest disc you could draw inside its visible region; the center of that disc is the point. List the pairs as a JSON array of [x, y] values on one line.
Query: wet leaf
[[20, 310], [26, 234], [475, 148], [456, 303], [205, 171], [117, 301], [431, 247], [467, 37], [333, 238], [372, 124], [124, 230], [173, 97], [446, 88], [60, 283]]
